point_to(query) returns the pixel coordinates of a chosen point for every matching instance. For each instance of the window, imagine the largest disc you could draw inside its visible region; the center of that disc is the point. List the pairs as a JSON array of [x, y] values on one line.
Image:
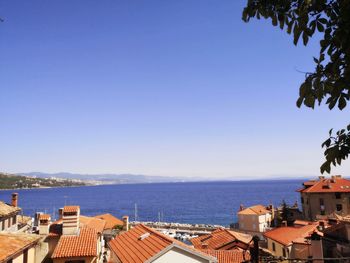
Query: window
[[302, 200], [337, 195], [339, 207], [9, 261], [321, 201], [284, 252], [3, 225], [14, 219], [323, 212], [273, 246], [9, 222]]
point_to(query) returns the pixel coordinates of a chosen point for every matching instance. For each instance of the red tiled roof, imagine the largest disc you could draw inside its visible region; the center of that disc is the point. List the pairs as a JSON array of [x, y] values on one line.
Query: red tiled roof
[[11, 244], [256, 209], [6, 209], [129, 247], [327, 185], [286, 235], [71, 208], [44, 217], [92, 222], [221, 239], [228, 256], [111, 221], [82, 245]]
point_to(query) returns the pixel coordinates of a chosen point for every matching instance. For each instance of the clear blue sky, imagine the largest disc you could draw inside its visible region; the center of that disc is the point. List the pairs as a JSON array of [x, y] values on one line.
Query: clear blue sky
[[174, 88]]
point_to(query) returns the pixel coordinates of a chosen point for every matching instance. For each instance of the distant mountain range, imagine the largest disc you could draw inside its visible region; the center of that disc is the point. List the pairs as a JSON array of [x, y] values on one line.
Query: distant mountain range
[[115, 178]]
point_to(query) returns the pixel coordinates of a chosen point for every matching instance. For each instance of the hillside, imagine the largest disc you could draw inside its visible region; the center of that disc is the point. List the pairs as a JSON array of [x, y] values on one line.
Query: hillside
[[11, 181], [116, 178]]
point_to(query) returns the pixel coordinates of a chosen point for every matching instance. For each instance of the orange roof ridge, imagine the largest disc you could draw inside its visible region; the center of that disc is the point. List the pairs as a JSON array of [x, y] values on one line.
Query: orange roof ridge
[[155, 232]]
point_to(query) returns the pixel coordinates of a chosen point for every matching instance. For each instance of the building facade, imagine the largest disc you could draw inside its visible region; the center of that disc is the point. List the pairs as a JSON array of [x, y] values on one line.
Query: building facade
[[325, 196], [255, 219], [9, 215]]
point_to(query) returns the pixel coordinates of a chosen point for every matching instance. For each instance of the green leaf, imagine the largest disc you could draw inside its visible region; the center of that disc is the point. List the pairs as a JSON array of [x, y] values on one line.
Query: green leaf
[[305, 38], [342, 103], [325, 167], [274, 20], [322, 20], [320, 27], [330, 132]]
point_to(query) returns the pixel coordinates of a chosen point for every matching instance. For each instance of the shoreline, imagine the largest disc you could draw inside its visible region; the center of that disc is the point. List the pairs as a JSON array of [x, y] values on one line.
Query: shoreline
[[148, 183]]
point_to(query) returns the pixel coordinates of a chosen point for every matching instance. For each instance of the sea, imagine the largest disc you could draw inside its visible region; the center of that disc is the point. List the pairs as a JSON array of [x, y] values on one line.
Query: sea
[[191, 202]]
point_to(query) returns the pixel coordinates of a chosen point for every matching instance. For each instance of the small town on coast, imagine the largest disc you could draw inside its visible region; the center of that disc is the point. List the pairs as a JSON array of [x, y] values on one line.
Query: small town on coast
[[317, 230], [175, 131]]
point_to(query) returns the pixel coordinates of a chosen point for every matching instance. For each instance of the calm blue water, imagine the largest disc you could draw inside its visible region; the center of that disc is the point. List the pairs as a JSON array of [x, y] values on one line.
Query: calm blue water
[[208, 203]]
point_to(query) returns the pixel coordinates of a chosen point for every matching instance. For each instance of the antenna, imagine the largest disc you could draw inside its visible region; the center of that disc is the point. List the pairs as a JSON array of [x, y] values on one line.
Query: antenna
[[158, 217], [53, 214], [135, 212], [65, 199]]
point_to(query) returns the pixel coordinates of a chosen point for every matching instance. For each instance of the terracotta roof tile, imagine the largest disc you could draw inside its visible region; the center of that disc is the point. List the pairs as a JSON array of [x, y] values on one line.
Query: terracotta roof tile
[[82, 245], [71, 208], [221, 239], [11, 244], [92, 222], [6, 209], [228, 256], [286, 235], [130, 247], [44, 217], [256, 209], [327, 185], [111, 221]]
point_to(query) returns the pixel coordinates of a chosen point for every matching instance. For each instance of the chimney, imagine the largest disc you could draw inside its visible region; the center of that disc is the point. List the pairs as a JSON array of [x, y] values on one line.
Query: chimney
[[316, 248], [44, 224], [70, 225], [272, 212], [36, 218], [14, 200], [126, 223], [241, 207], [204, 245], [60, 213]]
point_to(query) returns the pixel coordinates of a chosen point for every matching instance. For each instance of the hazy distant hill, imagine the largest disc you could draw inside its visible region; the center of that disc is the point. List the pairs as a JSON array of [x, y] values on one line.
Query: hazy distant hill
[[114, 178], [13, 181]]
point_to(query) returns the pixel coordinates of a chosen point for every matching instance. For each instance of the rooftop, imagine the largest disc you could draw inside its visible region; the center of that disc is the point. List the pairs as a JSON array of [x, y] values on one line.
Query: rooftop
[[111, 221], [221, 239], [326, 185], [71, 209], [142, 243], [92, 222], [6, 209], [228, 256], [82, 245], [254, 210], [11, 244], [84, 221], [287, 235], [44, 217]]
